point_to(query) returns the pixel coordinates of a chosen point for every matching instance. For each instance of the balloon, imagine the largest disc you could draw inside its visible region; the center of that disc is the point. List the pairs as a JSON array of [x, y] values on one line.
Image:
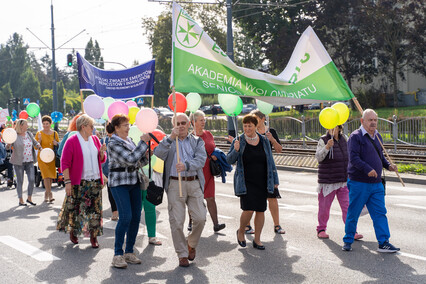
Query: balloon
[[153, 160], [133, 111], [117, 107], [47, 155], [14, 115], [100, 120], [56, 116], [159, 135], [131, 104], [33, 109], [158, 166], [264, 107], [343, 111], [194, 101], [107, 102], [181, 102], [23, 114], [135, 134], [232, 105], [9, 135], [329, 118], [94, 106], [146, 120]]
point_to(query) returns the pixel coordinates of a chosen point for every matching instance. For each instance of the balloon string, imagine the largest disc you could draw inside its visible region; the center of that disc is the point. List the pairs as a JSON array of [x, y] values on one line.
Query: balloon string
[[235, 126]]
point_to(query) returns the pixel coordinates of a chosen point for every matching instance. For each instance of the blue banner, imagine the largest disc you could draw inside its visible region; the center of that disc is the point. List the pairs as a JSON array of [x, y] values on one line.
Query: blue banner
[[121, 84]]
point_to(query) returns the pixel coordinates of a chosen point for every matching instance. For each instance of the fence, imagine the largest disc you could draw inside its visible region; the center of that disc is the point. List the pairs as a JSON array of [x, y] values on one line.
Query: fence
[[411, 131]]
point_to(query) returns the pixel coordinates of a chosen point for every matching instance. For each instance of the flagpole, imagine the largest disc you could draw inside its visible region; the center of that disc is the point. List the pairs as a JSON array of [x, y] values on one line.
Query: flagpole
[[381, 144], [177, 138]]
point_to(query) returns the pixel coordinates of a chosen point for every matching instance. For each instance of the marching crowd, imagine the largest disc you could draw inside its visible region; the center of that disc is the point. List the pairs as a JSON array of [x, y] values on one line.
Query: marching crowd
[[349, 169]]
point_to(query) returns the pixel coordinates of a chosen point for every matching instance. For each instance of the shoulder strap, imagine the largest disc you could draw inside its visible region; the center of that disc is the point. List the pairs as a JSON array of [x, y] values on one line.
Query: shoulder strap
[[375, 147]]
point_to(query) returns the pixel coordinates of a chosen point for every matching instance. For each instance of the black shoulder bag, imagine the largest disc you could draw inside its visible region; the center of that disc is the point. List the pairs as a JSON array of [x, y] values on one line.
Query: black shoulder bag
[[215, 169], [154, 193], [378, 153]]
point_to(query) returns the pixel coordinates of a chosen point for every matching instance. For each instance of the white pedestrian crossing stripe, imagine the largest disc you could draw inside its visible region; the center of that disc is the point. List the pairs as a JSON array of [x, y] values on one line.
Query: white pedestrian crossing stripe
[[27, 249]]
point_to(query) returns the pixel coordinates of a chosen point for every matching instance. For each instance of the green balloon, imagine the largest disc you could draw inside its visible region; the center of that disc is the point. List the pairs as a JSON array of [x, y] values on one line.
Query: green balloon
[[232, 105], [193, 101], [135, 134], [107, 102], [264, 107], [33, 109]]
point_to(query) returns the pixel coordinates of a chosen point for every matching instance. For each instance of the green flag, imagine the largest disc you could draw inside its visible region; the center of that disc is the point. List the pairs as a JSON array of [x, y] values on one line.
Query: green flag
[[200, 65]]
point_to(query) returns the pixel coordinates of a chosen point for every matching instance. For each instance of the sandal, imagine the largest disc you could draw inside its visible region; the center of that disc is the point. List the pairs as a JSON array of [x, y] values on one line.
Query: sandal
[[154, 241], [278, 229], [249, 230]]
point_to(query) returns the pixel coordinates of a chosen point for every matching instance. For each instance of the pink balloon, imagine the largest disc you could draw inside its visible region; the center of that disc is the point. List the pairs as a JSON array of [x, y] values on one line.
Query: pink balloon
[[131, 104], [146, 120], [94, 106], [117, 108]]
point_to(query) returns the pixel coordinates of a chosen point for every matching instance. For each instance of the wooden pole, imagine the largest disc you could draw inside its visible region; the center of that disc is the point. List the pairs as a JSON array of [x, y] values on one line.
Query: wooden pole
[[177, 138], [383, 148]]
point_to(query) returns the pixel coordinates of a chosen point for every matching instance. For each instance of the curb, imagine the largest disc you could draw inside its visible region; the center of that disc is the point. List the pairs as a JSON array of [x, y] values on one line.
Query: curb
[[421, 181]]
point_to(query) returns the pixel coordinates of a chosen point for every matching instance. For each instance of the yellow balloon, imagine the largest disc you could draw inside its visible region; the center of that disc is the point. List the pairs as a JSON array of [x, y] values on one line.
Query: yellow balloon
[[343, 111], [329, 118], [132, 114], [159, 166]]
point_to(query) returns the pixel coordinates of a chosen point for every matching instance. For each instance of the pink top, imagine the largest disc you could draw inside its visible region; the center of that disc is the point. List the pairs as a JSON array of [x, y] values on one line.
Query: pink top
[[72, 159]]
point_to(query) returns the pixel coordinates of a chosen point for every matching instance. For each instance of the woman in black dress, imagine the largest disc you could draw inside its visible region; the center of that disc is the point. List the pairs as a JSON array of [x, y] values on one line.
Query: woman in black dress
[[255, 176]]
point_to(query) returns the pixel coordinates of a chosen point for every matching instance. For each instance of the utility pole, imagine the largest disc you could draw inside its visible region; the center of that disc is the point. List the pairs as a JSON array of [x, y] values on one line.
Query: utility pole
[[230, 53], [54, 78]]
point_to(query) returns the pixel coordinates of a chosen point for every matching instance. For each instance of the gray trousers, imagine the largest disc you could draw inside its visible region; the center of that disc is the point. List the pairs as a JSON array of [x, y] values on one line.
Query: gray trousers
[[19, 171], [193, 197]]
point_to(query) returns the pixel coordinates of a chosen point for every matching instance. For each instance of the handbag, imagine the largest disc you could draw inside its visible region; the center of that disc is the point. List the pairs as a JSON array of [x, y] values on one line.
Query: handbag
[[154, 193], [215, 169], [57, 157]]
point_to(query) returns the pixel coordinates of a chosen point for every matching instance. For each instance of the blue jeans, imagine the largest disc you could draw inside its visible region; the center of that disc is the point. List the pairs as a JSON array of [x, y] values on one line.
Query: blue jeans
[[129, 203], [372, 195]]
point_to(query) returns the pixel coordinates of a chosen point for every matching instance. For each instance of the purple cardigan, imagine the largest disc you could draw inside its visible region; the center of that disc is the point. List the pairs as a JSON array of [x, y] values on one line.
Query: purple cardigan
[[72, 159]]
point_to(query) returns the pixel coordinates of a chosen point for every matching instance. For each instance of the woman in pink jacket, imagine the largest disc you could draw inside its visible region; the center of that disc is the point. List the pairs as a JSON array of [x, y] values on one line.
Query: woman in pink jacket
[[81, 165]]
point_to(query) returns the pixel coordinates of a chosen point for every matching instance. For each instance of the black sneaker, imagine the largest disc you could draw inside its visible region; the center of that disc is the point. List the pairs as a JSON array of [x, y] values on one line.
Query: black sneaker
[[218, 227], [387, 247], [347, 247]]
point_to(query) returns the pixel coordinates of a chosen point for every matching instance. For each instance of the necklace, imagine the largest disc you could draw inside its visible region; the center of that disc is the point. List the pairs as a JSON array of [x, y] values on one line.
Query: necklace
[[250, 138]]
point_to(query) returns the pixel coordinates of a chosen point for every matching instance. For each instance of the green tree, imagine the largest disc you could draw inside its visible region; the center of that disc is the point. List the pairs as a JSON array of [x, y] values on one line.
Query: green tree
[[92, 53], [395, 24], [46, 102], [29, 86], [5, 94]]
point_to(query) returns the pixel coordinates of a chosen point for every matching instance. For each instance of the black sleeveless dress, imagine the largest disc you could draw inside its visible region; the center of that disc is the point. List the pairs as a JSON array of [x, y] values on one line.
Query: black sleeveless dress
[[255, 176]]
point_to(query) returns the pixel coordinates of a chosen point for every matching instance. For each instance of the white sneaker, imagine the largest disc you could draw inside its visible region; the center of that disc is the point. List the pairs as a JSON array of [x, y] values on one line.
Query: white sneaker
[[119, 262], [131, 258]]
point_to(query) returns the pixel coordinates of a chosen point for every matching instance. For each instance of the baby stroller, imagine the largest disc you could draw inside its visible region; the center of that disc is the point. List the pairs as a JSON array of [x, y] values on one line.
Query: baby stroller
[[6, 169], [59, 180]]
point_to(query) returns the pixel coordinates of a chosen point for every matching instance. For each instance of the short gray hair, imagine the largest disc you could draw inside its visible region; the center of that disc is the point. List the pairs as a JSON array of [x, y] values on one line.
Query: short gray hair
[[84, 119], [194, 116], [178, 115], [368, 111]]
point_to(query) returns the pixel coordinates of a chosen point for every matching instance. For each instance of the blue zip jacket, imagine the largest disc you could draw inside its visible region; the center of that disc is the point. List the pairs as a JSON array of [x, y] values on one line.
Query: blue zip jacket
[[237, 156], [221, 159]]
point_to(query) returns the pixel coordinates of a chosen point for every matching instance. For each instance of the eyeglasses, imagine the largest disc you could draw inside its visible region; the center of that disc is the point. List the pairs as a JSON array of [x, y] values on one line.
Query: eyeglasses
[[181, 123]]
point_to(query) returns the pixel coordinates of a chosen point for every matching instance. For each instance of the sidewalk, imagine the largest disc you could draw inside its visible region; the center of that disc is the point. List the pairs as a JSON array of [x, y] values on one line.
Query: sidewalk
[[390, 176]]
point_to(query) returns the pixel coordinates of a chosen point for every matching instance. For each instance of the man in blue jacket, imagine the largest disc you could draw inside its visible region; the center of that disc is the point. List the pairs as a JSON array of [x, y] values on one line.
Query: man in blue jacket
[[366, 161]]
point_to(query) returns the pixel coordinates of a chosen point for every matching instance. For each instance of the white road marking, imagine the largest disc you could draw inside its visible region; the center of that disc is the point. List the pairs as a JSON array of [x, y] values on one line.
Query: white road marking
[[407, 188], [227, 195], [299, 191], [27, 249], [411, 206], [108, 224], [412, 256]]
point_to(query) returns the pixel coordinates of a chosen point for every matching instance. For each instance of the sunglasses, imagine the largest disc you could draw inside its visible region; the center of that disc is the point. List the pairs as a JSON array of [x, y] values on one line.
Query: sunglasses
[[181, 123]]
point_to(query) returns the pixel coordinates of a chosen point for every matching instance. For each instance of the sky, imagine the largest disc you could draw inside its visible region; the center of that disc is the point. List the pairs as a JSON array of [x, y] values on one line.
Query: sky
[[116, 25]]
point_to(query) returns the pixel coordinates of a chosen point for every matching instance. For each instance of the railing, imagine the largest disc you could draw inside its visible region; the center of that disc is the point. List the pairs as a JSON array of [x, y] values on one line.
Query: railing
[[411, 131]]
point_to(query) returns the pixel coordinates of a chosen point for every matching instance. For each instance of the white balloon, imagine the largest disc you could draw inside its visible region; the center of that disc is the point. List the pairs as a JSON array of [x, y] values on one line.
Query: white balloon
[[47, 155], [9, 135]]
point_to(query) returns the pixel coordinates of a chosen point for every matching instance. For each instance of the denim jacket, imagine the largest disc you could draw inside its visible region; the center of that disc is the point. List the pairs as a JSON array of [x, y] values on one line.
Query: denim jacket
[[234, 156]]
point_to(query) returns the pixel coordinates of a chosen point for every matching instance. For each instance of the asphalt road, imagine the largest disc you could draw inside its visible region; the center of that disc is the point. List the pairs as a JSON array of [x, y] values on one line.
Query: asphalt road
[[31, 251]]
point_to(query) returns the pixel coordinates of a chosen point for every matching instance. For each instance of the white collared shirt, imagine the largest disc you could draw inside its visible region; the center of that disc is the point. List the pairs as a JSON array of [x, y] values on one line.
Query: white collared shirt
[[90, 158], [363, 131]]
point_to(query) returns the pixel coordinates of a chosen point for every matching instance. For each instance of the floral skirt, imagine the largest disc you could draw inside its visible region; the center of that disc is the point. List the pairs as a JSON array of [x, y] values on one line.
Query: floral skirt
[[82, 211]]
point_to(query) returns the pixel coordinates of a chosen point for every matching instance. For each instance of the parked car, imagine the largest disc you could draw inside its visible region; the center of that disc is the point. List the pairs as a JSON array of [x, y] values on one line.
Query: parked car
[[248, 108], [164, 112], [314, 106]]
